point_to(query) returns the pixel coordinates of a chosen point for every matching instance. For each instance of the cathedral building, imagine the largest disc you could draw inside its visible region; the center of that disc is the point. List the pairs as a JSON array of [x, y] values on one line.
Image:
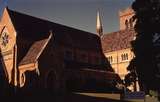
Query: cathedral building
[[39, 54], [117, 45]]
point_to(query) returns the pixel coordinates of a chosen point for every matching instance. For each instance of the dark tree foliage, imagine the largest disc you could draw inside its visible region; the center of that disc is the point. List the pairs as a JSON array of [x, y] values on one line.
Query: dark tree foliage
[[131, 77], [147, 44]]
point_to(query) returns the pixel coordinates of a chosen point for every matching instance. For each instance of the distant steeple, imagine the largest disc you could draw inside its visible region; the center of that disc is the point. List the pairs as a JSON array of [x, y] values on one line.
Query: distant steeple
[[99, 27]]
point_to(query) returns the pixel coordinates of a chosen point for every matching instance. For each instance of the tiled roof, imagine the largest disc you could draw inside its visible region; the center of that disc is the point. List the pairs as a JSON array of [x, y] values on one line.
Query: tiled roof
[[117, 40], [34, 52], [30, 29]]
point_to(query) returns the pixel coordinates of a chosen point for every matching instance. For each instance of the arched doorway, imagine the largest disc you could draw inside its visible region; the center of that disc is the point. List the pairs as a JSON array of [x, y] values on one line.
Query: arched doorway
[[51, 82]]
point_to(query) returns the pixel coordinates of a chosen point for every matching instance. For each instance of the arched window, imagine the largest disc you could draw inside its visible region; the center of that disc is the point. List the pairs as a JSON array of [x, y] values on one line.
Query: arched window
[[126, 56], [122, 57], [127, 24], [131, 23], [51, 81], [110, 59], [22, 79]]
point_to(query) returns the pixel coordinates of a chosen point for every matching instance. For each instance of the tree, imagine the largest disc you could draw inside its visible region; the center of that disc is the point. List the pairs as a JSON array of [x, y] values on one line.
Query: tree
[[131, 77], [146, 47]]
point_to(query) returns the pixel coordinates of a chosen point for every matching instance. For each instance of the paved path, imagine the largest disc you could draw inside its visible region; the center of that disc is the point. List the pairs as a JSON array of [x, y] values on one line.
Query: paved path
[[102, 95]]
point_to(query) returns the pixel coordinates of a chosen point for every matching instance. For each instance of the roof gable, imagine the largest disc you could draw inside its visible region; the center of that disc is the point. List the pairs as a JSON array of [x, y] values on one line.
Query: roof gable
[[32, 28], [35, 51]]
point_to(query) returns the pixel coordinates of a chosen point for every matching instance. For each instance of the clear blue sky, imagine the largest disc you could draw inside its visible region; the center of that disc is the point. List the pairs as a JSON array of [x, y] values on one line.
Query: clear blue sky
[[79, 14]]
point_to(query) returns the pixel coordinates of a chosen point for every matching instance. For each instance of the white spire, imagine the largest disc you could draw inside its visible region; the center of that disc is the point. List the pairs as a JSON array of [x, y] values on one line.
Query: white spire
[[99, 25]]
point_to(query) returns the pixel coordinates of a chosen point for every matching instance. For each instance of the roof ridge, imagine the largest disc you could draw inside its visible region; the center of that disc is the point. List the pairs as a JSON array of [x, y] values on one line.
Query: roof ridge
[[14, 11], [122, 30]]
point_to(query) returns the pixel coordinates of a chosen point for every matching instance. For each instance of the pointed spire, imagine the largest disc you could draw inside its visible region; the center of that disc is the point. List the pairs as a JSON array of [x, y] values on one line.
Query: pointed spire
[[99, 27]]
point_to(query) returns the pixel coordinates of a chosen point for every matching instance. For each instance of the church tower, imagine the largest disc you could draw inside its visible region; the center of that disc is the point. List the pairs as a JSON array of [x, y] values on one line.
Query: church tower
[[99, 26], [126, 20]]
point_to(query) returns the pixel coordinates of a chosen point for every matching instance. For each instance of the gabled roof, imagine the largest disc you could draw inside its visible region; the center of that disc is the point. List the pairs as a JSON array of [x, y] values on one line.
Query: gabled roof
[[34, 52], [117, 40], [31, 29]]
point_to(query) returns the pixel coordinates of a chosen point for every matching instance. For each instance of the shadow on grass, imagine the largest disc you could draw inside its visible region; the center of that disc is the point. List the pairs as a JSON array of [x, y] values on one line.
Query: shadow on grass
[[46, 97]]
